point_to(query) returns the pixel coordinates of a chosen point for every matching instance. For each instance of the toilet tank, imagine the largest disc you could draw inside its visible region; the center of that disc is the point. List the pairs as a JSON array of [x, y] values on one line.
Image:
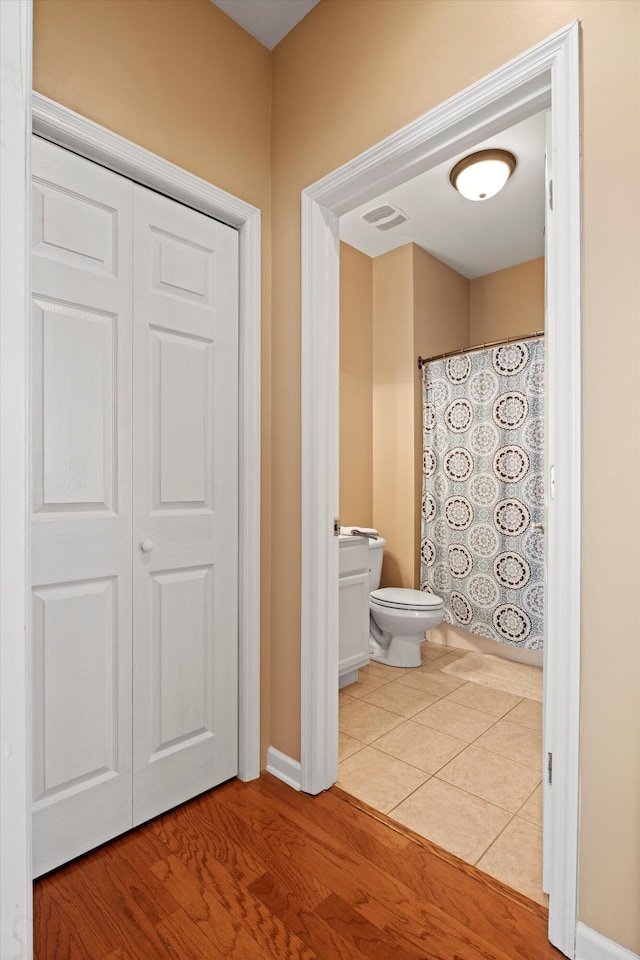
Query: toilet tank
[[376, 549]]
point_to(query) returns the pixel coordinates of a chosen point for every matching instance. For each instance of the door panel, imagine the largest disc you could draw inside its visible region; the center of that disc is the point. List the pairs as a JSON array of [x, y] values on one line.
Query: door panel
[[185, 503], [75, 623], [74, 465], [181, 625], [182, 367], [81, 497]]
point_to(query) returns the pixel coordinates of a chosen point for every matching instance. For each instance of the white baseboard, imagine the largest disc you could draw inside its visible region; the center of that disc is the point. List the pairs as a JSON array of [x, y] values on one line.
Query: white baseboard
[[459, 639], [283, 767], [591, 945]]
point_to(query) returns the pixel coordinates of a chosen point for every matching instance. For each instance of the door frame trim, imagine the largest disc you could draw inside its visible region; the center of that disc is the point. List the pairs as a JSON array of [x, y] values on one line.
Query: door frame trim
[[547, 75], [16, 924], [74, 132]]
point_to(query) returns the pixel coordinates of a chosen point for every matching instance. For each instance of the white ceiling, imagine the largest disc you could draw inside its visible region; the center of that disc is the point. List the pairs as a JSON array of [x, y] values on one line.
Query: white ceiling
[[267, 20], [475, 238]]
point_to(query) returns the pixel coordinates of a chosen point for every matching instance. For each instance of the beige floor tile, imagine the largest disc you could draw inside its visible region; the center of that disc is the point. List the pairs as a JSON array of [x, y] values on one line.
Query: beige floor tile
[[347, 746], [433, 666], [420, 746], [532, 810], [382, 671], [458, 721], [528, 713], [462, 824], [437, 684], [364, 684], [499, 780], [344, 698], [516, 859], [398, 697], [494, 702], [432, 651], [378, 779], [365, 722], [514, 741]]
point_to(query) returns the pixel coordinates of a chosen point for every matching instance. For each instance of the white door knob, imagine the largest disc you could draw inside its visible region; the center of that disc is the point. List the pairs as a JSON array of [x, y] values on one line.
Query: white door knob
[[146, 546]]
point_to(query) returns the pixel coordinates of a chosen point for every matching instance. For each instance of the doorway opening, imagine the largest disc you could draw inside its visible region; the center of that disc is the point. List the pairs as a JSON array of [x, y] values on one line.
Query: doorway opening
[[450, 747], [544, 78]]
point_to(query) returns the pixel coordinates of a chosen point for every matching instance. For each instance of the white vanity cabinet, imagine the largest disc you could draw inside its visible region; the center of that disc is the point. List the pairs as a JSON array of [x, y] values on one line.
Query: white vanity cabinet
[[353, 643]]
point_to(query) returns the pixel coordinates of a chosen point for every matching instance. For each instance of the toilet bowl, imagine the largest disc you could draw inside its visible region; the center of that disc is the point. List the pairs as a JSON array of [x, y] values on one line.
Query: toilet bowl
[[398, 617]]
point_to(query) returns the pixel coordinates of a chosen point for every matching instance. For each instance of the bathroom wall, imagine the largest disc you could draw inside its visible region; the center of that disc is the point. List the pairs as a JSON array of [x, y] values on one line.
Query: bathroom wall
[[393, 413], [356, 387], [507, 303], [186, 82]]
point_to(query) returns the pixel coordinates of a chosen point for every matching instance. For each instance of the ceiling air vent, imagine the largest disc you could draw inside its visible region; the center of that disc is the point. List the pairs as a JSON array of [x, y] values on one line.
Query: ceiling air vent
[[385, 217]]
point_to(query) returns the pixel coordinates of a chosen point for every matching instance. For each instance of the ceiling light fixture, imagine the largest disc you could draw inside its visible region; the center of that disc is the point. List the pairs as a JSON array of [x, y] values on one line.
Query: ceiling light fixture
[[483, 174]]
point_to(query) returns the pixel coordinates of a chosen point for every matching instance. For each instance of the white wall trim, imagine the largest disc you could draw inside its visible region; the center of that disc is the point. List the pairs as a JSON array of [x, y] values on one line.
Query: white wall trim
[[591, 945], [283, 767], [548, 74], [15, 288]]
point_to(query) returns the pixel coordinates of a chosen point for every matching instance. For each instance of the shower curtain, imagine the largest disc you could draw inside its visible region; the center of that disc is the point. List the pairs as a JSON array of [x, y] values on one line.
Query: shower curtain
[[482, 547]]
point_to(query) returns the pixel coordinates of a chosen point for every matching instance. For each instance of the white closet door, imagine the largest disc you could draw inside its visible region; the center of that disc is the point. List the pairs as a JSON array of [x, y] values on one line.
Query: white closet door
[[185, 523], [81, 505]]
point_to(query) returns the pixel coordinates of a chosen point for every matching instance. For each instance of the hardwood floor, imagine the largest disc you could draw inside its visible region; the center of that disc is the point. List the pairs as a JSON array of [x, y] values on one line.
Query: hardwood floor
[[259, 872]]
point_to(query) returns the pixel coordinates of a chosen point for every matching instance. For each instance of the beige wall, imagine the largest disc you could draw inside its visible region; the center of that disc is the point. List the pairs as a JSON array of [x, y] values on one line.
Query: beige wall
[[165, 75], [393, 413], [350, 74], [356, 422], [507, 303]]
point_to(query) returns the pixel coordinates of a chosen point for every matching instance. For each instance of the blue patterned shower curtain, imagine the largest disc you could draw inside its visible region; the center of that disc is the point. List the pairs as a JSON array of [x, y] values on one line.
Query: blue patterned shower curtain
[[482, 545]]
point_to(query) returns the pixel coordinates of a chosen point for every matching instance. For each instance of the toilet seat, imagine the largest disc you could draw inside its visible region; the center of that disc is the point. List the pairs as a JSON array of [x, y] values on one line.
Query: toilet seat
[[402, 598]]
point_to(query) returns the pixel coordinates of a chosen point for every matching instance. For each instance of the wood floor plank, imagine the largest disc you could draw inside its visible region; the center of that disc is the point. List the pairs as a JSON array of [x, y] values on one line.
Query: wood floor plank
[[269, 845], [224, 899], [68, 889], [260, 872], [187, 939], [184, 838], [311, 928], [126, 910], [377, 941], [52, 938]]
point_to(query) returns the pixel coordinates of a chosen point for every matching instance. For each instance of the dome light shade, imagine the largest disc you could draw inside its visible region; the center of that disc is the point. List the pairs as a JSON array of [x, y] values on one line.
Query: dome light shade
[[483, 174]]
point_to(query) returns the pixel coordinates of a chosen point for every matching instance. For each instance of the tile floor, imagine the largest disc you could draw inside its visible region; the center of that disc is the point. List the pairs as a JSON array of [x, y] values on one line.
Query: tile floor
[[457, 762]]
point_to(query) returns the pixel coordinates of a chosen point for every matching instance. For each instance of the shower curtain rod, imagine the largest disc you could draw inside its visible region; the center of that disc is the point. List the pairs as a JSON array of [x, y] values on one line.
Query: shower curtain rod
[[480, 346]]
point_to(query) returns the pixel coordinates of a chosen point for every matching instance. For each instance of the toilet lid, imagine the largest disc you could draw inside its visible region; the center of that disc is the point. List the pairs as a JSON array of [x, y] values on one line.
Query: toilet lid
[[406, 599]]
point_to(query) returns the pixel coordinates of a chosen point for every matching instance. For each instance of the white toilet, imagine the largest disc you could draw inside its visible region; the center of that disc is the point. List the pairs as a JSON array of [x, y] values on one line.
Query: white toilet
[[398, 618]]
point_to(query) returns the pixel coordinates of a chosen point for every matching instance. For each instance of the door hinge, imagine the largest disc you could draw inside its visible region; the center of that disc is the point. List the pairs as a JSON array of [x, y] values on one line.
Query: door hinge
[[549, 768], [336, 526], [551, 194]]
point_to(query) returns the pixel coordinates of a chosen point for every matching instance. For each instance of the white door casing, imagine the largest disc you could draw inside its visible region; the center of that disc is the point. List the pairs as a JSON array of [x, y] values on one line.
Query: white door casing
[[185, 503], [81, 504], [546, 76]]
